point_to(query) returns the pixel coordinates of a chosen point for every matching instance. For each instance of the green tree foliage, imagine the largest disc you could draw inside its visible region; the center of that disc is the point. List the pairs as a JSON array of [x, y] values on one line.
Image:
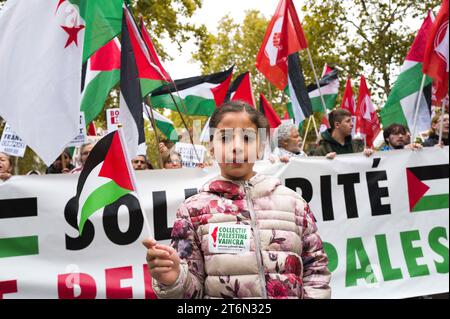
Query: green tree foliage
[[238, 44], [359, 36]]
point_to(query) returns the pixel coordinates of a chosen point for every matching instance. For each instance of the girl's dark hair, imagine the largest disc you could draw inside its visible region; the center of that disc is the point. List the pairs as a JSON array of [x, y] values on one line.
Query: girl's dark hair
[[255, 116]]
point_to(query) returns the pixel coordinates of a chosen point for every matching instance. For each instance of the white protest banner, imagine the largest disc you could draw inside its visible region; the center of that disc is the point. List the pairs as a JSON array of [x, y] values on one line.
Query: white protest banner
[[188, 155], [384, 222], [80, 139], [12, 144], [112, 119]]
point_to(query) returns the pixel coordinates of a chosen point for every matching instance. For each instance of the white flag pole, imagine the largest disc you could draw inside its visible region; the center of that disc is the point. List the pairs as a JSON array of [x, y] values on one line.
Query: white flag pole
[[133, 181], [441, 124], [315, 126], [306, 133], [317, 81], [417, 107]]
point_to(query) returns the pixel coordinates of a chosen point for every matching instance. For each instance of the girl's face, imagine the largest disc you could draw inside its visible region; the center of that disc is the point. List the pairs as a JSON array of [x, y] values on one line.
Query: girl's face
[[235, 145], [5, 165]]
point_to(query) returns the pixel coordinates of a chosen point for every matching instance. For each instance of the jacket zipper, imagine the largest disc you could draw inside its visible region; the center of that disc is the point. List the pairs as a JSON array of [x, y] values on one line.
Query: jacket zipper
[[257, 240]]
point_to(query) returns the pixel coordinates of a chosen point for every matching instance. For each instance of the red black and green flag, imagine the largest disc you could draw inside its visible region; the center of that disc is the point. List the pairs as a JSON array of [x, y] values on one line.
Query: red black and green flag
[[131, 98], [241, 90], [105, 178], [151, 74], [201, 95], [425, 185]]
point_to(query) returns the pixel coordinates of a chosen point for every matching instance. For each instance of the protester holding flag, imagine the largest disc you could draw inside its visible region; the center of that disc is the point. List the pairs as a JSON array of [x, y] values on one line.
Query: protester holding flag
[[6, 166], [433, 138], [288, 142], [338, 138], [62, 165], [229, 230]]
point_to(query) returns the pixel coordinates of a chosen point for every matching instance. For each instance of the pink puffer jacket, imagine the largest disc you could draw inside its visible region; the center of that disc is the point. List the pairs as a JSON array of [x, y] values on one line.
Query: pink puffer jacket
[[285, 260]]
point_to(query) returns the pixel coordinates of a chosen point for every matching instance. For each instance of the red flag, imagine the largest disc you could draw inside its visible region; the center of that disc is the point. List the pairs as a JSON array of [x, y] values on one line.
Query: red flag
[[269, 112], [284, 36], [348, 101], [92, 131], [436, 59], [324, 124], [242, 89], [367, 122]]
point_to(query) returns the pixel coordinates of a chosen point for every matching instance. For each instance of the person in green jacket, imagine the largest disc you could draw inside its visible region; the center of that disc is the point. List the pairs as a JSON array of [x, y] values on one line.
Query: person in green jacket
[[337, 139]]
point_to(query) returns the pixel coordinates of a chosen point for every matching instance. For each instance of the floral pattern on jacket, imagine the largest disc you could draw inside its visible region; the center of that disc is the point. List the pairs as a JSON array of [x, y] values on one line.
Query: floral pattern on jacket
[[294, 264]]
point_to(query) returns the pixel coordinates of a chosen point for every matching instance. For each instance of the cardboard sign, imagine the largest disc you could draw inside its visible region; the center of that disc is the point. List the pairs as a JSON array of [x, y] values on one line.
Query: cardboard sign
[[189, 156], [12, 144], [80, 139], [112, 119]]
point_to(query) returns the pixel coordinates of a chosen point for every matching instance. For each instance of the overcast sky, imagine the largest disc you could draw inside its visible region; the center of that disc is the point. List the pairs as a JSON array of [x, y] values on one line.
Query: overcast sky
[[211, 12]]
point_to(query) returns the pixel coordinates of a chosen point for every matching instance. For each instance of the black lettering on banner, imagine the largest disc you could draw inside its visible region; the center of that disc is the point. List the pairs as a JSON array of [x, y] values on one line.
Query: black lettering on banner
[[162, 232], [18, 207], [376, 193], [111, 221], [349, 181], [326, 198], [303, 184], [190, 192], [80, 242]]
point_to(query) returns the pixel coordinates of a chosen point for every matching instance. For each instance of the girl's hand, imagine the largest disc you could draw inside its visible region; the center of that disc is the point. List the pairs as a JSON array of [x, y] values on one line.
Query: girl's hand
[[163, 262]]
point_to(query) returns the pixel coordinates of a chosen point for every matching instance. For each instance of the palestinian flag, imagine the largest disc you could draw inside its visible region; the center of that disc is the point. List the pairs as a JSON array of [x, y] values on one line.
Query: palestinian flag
[[106, 177], [241, 90], [151, 76], [102, 73], [401, 103], [103, 22], [201, 94], [428, 188], [269, 112], [131, 101], [300, 105], [157, 69], [163, 124], [329, 87]]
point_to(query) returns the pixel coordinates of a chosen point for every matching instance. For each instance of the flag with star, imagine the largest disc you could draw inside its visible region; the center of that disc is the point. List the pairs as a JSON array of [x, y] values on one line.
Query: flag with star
[[41, 47], [103, 22]]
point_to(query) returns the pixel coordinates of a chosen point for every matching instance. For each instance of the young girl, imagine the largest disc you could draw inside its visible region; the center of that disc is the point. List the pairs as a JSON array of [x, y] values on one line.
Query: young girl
[[244, 235]]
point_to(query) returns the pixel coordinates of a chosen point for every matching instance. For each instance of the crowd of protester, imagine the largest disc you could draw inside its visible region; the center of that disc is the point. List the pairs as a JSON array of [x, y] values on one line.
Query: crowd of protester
[[286, 144]]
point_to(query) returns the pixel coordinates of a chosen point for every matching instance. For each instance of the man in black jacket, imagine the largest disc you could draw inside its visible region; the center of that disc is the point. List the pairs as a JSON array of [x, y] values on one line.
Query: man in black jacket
[[338, 140]]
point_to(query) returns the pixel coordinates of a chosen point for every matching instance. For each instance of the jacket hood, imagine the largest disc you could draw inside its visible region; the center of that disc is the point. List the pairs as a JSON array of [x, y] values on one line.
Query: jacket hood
[[329, 138]]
